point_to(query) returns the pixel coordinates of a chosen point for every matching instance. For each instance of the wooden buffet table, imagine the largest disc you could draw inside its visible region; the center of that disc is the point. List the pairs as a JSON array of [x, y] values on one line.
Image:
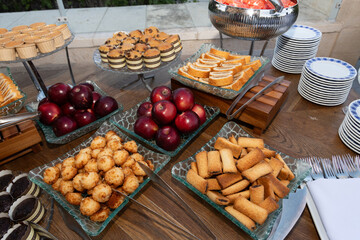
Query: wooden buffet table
[[300, 129]]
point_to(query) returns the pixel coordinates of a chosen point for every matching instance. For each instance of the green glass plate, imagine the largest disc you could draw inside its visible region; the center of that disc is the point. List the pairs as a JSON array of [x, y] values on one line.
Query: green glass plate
[[127, 119], [17, 105], [299, 168], [90, 227], [217, 91], [49, 133]]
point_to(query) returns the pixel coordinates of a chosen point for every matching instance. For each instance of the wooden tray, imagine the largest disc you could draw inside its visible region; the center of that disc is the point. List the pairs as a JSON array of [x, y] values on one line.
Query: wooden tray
[[18, 140], [259, 113]]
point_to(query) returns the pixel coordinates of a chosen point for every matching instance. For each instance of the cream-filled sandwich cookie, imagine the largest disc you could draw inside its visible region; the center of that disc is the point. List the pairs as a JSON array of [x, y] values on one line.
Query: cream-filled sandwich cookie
[[21, 185], [27, 208], [152, 58], [167, 52], [134, 60], [116, 58]]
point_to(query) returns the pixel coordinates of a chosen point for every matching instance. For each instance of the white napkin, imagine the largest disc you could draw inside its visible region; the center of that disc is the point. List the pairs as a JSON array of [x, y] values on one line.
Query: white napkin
[[338, 204]]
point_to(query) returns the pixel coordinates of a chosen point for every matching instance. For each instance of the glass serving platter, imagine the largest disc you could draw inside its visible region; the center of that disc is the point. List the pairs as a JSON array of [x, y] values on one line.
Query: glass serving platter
[[217, 91], [127, 119], [14, 106], [90, 227], [49, 133], [299, 168], [125, 70]]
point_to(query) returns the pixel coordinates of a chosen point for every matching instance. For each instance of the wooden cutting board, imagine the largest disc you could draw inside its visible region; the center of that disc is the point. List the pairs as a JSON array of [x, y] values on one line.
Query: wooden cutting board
[[259, 113], [18, 140]]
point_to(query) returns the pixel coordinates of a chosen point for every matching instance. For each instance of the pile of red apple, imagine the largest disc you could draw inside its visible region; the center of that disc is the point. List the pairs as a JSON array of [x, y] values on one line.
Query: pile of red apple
[[66, 108], [168, 115]]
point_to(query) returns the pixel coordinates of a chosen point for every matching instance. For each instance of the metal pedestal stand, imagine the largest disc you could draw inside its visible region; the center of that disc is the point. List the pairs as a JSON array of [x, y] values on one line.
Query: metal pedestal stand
[[251, 46], [33, 72]]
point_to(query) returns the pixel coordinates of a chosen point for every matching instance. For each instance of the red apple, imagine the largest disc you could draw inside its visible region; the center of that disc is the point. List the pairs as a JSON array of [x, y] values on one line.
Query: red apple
[[58, 93], [68, 109], [144, 109], [89, 85], [168, 138], [105, 105], [187, 122], [183, 99], [64, 125], [146, 127], [84, 117], [163, 112], [96, 96], [49, 112], [81, 97], [42, 101], [200, 111], [160, 93]]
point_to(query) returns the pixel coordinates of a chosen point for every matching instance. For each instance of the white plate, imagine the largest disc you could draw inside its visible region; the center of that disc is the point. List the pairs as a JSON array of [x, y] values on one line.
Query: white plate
[[331, 68], [354, 110], [328, 81], [302, 32], [323, 95], [318, 100], [347, 141], [322, 87], [349, 137], [298, 43]]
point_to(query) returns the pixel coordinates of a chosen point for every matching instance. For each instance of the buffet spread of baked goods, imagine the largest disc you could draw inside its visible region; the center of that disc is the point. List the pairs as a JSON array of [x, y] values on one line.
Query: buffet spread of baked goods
[[221, 69], [9, 91], [28, 41], [243, 176], [138, 49], [108, 163]]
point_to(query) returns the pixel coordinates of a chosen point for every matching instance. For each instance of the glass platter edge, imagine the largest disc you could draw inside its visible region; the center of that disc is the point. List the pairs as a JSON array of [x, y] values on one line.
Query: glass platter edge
[[300, 169], [94, 228]]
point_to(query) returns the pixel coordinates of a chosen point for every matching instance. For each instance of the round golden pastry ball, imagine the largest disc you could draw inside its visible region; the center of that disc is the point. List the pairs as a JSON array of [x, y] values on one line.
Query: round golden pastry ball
[[131, 183], [114, 177], [127, 171], [115, 200], [89, 180], [105, 163], [77, 182], [120, 157], [101, 192], [140, 179], [105, 152], [85, 150], [95, 152], [131, 146], [137, 170], [57, 184], [91, 166], [58, 165], [114, 145], [128, 163], [101, 215], [98, 142], [137, 157], [116, 137], [51, 174], [68, 172], [73, 198], [66, 187], [81, 159], [69, 162], [109, 134], [89, 206]]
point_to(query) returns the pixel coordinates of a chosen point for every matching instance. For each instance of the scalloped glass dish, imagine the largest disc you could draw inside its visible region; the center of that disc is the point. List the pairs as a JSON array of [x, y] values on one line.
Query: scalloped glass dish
[[90, 227], [14, 106], [49, 133], [217, 91], [127, 119], [299, 168]]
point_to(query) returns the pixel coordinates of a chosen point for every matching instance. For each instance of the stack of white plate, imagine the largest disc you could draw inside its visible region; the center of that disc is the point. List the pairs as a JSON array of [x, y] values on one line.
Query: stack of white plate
[[295, 47], [349, 131], [326, 81]]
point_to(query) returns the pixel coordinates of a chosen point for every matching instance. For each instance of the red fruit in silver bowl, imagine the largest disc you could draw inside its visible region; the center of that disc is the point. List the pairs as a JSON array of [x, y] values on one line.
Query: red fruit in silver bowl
[[160, 93], [96, 96], [144, 109], [183, 99], [84, 117], [200, 111], [49, 112], [64, 125], [187, 122], [105, 105], [146, 127], [163, 112], [58, 93], [68, 109], [168, 138], [81, 97]]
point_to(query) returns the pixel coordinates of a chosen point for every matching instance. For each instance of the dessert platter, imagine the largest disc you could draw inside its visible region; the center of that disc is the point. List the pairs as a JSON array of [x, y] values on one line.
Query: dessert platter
[[138, 52]]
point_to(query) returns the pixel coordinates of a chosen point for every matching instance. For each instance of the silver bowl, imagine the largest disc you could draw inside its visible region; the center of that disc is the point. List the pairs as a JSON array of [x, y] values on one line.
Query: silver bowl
[[251, 24]]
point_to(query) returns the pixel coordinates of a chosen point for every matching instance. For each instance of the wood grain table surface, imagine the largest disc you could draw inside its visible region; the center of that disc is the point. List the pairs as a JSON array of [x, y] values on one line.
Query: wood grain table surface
[[300, 129]]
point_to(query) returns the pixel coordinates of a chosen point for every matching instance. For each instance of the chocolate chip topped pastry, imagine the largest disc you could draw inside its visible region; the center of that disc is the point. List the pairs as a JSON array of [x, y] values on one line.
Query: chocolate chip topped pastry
[[167, 52], [120, 36], [131, 40], [152, 31], [152, 58], [161, 36], [2, 31], [134, 60], [175, 41], [127, 47], [116, 58], [154, 43], [104, 50], [113, 41], [136, 34], [141, 47], [145, 38]]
